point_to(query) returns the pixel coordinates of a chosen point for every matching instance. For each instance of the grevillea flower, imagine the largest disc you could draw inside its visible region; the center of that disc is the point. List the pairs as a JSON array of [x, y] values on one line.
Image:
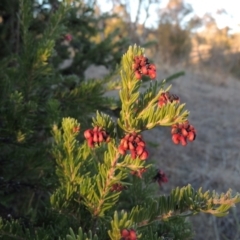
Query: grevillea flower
[[139, 172], [117, 187], [160, 177], [76, 129], [182, 132], [68, 37], [167, 97], [128, 234], [96, 136], [134, 143], [141, 66]]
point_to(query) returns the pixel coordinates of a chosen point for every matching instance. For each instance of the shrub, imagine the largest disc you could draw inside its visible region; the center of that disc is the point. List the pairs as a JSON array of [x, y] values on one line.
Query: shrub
[[34, 94], [106, 187], [174, 42]]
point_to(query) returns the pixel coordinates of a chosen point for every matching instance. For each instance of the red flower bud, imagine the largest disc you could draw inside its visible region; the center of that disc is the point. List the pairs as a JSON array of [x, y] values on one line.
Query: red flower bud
[[131, 138], [191, 136], [90, 142], [137, 140], [134, 134], [117, 187], [191, 128], [68, 37], [152, 67], [139, 150], [130, 146], [100, 137], [174, 130], [180, 125], [138, 75], [95, 137], [124, 233], [143, 62], [137, 59], [133, 154], [144, 70], [121, 150], [184, 132], [186, 124], [135, 66], [139, 172], [141, 143], [176, 138], [152, 74], [95, 129], [160, 177], [183, 140], [127, 136], [162, 99], [125, 145], [161, 103], [88, 133], [76, 129], [144, 155], [132, 235], [108, 139]]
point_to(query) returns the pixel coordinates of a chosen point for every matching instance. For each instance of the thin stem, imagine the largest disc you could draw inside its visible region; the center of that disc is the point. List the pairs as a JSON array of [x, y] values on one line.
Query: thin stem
[[105, 191], [163, 217]]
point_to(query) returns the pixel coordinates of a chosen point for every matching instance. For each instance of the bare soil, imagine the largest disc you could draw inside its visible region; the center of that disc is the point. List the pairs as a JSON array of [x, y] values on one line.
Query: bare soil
[[212, 161]]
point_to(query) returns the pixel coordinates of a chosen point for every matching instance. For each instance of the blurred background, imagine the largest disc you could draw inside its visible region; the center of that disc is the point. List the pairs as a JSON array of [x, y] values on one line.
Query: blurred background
[[199, 37], [190, 32]]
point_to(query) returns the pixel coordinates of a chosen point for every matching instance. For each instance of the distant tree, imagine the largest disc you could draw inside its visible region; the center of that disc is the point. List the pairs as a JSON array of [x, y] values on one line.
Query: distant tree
[[174, 37]]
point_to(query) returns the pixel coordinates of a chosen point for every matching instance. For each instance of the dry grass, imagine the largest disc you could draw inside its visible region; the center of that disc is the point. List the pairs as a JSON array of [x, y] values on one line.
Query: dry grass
[[213, 160]]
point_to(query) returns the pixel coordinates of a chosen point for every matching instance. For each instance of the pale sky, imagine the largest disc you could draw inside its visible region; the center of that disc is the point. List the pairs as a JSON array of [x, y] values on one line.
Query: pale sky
[[232, 7], [231, 19]]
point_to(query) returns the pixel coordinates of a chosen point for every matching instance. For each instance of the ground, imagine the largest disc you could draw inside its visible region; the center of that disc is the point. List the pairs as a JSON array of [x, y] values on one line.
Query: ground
[[212, 161]]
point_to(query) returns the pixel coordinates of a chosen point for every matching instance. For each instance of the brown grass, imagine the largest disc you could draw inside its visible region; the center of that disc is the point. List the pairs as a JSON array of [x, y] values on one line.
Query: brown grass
[[213, 160]]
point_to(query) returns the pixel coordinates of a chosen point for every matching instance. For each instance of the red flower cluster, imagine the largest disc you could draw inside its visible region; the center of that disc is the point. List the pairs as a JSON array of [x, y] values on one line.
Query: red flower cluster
[[139, 172], [167, 97], [141, 66], [117, 187], [68, 37], [96, 136], [135, 144], [182, 132], [76, 129], [160, 177], [128, 234]]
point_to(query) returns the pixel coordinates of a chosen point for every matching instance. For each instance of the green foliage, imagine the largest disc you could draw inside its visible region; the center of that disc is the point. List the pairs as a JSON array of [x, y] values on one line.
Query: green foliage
[[81, 235], [34, 95], [85, 48]]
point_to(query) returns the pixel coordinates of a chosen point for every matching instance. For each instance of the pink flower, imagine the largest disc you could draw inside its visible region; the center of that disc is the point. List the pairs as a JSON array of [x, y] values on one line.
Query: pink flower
[[68, 37]]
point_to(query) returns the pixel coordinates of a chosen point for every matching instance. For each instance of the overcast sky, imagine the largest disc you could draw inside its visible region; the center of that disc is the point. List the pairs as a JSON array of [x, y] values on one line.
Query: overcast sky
[[200, 7]]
